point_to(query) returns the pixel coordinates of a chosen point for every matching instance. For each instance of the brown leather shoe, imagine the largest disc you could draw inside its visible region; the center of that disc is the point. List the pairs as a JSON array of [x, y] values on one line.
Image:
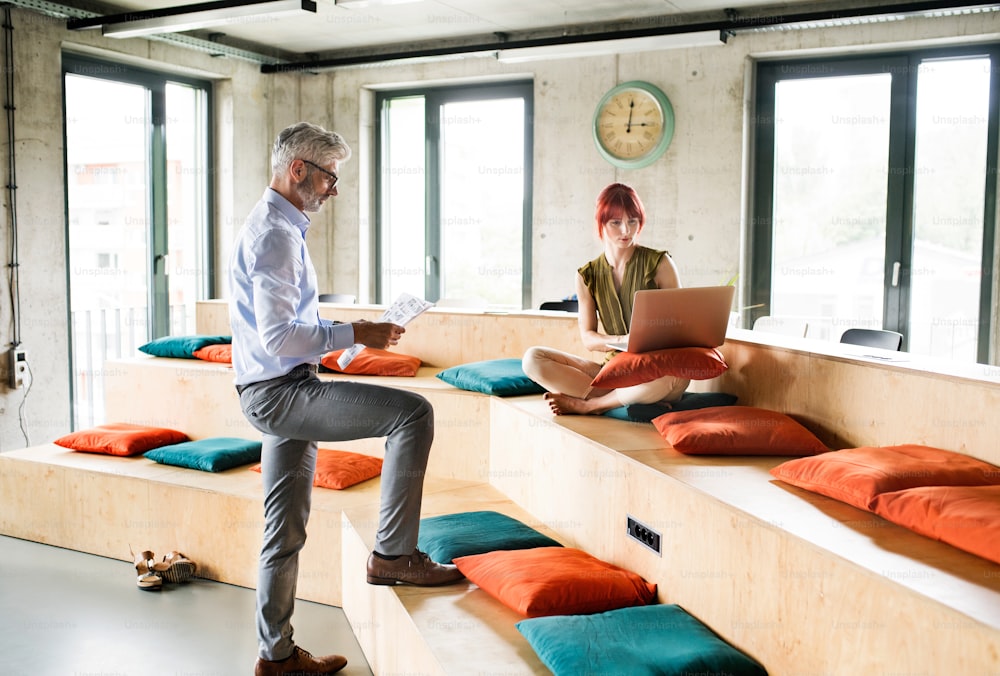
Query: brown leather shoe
[[416, 569], [301, 663]]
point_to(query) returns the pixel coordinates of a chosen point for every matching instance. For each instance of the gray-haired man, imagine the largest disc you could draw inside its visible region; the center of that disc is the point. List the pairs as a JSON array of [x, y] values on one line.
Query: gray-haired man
[[278, 338]]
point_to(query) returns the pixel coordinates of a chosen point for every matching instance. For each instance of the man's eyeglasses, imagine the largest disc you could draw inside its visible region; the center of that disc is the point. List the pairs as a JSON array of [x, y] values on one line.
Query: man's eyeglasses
[[331, 182]]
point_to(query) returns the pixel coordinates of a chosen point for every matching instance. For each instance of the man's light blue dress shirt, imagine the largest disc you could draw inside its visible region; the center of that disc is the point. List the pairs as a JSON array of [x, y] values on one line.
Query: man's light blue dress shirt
[[274, 302]]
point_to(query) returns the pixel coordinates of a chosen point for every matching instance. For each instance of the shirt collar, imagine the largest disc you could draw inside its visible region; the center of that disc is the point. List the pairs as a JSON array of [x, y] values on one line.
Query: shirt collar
[[295, 216]]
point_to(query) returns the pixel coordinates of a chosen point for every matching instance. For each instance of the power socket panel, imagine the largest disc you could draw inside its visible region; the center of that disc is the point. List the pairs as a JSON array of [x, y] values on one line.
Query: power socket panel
[[17, 368], [648, 537]]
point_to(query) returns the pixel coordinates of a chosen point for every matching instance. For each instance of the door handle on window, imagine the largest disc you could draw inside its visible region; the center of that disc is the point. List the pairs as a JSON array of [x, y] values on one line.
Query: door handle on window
[[164, 258], [430, 265], [895, 273]]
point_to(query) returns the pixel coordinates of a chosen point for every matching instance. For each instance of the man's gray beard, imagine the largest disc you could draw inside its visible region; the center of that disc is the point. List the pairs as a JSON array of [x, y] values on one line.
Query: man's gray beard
[[310, 198]]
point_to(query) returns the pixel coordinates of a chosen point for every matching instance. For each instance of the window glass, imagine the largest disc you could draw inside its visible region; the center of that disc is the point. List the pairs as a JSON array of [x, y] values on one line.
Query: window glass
[[454, 195], [831, 158], [138, 194], [873, 206]]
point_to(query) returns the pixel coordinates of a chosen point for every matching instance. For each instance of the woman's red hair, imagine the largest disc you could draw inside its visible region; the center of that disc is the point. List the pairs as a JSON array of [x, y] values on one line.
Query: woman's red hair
[[618, 201]]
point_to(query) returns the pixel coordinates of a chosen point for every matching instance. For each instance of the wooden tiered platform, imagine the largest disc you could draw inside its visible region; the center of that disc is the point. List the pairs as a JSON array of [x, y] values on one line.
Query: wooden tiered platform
[[803, 583], [104, 505], [458, 629], [199, 399]]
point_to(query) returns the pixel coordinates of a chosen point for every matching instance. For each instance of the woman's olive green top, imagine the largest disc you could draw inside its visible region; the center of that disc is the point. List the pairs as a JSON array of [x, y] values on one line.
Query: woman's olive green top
[[614, 308]]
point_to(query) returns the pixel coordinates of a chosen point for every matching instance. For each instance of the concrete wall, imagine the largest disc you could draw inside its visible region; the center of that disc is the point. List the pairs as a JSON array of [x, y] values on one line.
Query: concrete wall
[[695, 194], [244, 124]]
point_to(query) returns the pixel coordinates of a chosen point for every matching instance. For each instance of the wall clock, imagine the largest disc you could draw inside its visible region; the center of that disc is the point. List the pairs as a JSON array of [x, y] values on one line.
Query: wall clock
[[633, 124]]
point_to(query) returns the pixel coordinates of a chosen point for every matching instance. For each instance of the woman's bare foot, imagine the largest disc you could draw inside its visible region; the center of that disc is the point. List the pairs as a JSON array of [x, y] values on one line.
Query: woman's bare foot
[[563, 404]]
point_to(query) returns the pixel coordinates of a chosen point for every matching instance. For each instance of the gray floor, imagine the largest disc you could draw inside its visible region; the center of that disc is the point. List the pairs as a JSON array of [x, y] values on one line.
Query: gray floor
[[64, 613]]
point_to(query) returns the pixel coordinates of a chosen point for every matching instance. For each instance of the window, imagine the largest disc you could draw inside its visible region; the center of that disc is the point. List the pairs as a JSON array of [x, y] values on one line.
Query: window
[[874, 196], [453, 209], [138, 195]]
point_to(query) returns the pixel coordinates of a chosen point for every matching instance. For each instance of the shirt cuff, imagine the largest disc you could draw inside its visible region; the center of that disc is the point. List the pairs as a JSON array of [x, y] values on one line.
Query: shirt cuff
[[342, 336]]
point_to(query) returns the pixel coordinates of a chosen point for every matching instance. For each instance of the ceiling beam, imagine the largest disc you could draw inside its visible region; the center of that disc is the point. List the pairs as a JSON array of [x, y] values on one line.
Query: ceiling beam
[[141, 23], [212, 47], [731, 22]]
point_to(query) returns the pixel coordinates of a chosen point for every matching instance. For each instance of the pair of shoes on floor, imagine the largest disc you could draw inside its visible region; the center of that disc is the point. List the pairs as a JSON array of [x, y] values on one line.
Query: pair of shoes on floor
[[151, 574], [416, 569], [300, 663]]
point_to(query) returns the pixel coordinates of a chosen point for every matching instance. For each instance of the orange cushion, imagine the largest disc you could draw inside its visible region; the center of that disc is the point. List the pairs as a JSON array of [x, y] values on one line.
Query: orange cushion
[[374, 362], [857, 475], [967, 517], [342, 469], [120, 439], [222, 353], [736, 430], [694, 363], [555, 581]]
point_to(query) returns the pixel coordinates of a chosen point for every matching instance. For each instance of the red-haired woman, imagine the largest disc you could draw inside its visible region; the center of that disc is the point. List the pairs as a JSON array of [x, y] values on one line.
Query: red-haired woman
[[605, 288]]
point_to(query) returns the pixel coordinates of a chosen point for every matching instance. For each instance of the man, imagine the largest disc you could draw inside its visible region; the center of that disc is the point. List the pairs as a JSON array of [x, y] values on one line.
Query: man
[[278, 339]]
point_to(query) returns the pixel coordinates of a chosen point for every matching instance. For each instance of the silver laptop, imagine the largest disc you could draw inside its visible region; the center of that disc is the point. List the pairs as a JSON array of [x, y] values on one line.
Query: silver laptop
[[695, 316]]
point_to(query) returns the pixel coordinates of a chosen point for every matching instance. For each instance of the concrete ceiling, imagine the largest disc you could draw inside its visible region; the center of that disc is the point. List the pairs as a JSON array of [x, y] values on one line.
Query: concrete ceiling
[[391, 29]]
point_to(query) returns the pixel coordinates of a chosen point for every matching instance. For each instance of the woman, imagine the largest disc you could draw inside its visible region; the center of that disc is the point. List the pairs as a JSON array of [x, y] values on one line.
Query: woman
[[605, 288]]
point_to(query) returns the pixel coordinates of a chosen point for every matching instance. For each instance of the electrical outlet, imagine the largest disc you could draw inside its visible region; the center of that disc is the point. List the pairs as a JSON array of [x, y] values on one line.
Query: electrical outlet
[[17, 369], [648, 537]]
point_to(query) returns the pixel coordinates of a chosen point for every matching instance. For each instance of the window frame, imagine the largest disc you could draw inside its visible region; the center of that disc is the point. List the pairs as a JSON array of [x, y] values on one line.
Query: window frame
[[903, 66], [157, 81], [434, 97]]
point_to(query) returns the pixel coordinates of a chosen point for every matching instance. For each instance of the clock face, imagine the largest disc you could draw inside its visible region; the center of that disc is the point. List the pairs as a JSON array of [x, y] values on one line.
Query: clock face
[[633, 124]]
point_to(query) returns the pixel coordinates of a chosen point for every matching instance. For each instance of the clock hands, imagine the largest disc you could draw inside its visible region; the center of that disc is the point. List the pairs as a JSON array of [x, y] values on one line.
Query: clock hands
[[629, 123]]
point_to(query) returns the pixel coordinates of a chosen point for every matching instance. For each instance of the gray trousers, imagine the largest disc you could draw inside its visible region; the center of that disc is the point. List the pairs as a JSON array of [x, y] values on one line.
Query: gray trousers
[[294, 412]]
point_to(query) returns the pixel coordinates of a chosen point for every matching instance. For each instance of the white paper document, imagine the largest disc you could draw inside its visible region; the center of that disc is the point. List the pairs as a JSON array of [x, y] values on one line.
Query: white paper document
[[402, 311]]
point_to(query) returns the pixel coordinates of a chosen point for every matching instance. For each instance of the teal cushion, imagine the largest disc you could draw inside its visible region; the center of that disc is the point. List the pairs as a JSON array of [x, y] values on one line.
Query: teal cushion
[[450, 536], [214, 454], [634, 641], [181, 347], [687, 402], [502, 377]]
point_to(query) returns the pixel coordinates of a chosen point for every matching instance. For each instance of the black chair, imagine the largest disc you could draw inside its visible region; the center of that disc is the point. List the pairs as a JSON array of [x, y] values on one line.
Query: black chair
[[337, 298], [561, 305], [886, 340]]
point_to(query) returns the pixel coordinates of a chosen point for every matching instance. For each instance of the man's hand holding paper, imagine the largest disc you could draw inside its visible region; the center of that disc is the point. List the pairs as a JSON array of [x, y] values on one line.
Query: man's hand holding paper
[[379, 335], [405, 308]]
